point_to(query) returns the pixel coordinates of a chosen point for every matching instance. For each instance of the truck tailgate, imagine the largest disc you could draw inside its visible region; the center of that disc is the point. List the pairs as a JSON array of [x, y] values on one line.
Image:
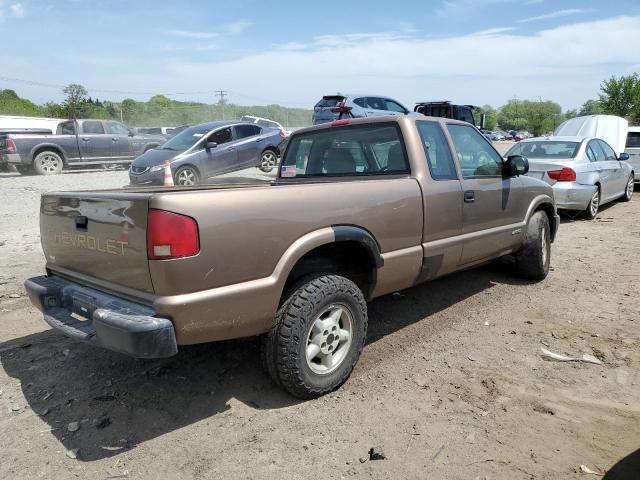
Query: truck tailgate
[[101, 235]]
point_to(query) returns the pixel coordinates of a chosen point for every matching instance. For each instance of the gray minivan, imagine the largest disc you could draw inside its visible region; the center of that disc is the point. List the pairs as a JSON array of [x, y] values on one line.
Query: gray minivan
[[337, 107]]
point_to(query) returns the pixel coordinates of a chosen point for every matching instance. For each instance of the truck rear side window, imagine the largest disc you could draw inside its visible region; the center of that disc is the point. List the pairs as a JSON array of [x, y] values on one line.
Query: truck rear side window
[[371, 149], [437, 150]]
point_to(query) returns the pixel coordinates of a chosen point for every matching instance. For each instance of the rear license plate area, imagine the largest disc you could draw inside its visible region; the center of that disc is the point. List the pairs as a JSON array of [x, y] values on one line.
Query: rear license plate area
[[82, 305]]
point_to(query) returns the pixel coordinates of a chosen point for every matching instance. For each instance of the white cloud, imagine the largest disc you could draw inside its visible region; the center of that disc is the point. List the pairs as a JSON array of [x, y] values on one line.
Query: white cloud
[[557, 14], [192, 34], [235, 28], [14, 10], [17, 10], [564, 63], [495, 31]]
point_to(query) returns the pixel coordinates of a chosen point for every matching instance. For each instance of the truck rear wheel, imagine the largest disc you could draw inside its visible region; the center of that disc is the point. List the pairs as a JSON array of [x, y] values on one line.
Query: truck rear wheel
[[48, 163], [318, 337], [534, 256]]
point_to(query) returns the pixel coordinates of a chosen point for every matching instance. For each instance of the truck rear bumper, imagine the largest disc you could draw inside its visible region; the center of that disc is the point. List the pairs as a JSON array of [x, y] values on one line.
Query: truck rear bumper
[[102, 320], [10, 158]]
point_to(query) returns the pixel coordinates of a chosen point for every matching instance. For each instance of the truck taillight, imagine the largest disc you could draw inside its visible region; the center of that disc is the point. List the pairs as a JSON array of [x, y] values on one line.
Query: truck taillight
[[9, 145], [282, 134], [171, 235], [565, 175]]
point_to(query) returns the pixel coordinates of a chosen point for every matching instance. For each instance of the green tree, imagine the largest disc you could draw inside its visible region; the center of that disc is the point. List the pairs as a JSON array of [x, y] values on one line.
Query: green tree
[[536, 116], [75, 100], [621, 96], [12, 104], [490, 116]]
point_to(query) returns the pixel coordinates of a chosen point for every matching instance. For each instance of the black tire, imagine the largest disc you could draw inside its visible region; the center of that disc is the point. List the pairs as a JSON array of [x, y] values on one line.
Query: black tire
[[628, 189], [48, 162], [534, 256], [284, 348], [594, 205], [268, 160], [186, 176]]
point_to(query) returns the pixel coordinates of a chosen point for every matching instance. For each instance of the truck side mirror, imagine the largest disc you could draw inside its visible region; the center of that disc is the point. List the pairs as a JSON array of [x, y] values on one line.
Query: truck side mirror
[[131, 133], [209, 145], [623, 156], [515, 165]]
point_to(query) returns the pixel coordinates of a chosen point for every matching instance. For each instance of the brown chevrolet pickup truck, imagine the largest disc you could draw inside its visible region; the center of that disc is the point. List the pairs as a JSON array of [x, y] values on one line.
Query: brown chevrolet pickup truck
[[360, 208]]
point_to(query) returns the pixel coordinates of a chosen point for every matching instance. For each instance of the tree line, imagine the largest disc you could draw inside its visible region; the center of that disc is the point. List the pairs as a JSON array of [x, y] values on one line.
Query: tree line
[[618, 96]]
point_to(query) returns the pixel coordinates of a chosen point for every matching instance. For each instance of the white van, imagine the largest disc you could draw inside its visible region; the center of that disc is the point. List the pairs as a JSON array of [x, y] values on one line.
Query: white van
[[632, 147], [609, 128]]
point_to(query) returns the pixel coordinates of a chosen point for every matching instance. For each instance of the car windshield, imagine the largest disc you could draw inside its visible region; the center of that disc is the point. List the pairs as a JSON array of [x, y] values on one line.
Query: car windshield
[[186, 139], [545, 149]]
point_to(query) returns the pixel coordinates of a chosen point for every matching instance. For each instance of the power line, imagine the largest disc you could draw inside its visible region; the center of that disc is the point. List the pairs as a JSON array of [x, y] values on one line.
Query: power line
[[98, 90]]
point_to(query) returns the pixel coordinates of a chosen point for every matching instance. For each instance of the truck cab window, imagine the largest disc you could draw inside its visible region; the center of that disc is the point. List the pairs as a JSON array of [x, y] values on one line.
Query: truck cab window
[[476, 156], [91, 127], [437, 151], [67, 128], [374, 149]]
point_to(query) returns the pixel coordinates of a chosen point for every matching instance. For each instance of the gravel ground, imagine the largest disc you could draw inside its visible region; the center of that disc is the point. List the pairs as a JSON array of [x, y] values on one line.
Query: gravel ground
[[451, 383]]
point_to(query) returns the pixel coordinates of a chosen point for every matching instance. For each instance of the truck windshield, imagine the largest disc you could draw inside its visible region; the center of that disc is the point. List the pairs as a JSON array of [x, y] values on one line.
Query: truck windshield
[[186, 138], [545, 149]]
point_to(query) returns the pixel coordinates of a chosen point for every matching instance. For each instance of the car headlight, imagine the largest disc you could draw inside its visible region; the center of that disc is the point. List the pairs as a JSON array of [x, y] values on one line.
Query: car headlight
[[157, 168]]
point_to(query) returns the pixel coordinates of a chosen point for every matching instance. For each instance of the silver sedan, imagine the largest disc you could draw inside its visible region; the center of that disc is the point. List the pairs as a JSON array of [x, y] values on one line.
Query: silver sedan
[[584, 172]]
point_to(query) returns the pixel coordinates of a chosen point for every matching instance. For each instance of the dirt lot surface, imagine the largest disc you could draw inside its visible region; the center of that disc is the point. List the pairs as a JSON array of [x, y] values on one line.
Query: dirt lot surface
[[451, 384]]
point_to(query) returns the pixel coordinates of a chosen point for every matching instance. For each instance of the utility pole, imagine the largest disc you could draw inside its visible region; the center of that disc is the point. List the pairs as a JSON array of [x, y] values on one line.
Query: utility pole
[[221, 94]]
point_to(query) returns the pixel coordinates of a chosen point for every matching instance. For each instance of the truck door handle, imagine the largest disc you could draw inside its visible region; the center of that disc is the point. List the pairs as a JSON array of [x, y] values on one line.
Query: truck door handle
[[230, 148], [258, 139], [114, 139], [469, 196], [85, 139]]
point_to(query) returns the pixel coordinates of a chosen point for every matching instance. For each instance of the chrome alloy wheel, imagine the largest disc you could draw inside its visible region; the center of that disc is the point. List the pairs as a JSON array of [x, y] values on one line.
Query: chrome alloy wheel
[[49, 163], [544, 245], [329, 339], [186, 176], [595, 203], [268, 161], [630, 187]]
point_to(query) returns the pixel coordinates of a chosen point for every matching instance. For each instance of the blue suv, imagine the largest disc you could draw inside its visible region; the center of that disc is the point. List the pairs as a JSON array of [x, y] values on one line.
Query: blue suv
[[337, 107]]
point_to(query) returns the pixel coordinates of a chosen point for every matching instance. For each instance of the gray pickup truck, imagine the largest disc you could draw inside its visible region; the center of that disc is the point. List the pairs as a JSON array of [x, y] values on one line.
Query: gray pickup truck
[[360, 208], [76, 142]]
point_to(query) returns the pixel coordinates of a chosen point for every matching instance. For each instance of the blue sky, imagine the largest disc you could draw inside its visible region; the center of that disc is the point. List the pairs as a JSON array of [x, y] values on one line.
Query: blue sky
[[481, 51]]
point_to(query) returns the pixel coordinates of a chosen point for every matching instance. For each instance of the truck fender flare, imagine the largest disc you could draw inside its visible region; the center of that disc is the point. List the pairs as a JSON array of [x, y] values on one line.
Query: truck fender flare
[[362, 236], [536, 203], [47, 146], [325, 236]]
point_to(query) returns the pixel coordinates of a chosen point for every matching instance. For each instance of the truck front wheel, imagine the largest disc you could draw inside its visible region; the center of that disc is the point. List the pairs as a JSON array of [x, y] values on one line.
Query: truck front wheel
[[318, 337], [48, 163]]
